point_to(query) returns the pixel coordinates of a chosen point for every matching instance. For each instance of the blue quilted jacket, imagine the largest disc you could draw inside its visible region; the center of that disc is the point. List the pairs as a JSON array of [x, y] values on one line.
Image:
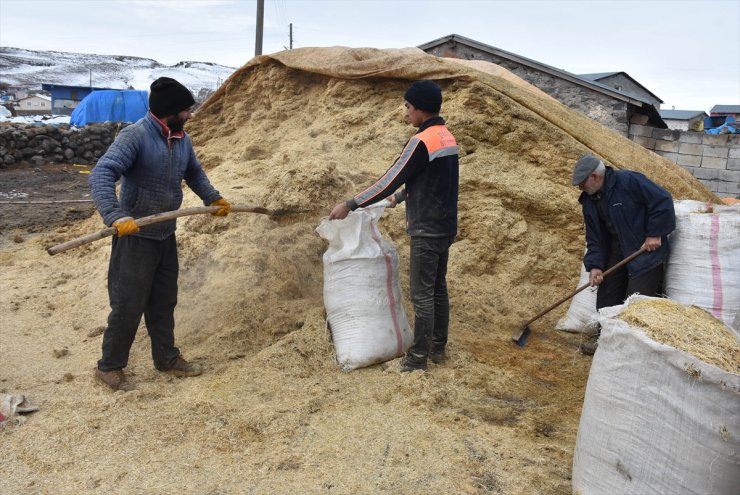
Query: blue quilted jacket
[[638, 208], [151, 174]]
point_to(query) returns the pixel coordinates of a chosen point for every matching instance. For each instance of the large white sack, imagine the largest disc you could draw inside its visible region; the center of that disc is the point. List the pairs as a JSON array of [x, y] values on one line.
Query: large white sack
[[655, 419], [582, 316], [704, 264], [362, 293]]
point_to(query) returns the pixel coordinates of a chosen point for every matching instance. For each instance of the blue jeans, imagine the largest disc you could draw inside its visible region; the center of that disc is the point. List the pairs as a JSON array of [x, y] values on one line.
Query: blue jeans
[[142, 280], [429, 257]]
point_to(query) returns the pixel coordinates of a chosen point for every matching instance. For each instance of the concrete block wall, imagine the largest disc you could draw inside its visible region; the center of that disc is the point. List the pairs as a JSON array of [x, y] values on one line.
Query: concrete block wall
[[714, 159]]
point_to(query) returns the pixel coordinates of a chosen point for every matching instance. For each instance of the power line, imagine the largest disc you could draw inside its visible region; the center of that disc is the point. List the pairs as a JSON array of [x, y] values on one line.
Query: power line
[[279, 8]]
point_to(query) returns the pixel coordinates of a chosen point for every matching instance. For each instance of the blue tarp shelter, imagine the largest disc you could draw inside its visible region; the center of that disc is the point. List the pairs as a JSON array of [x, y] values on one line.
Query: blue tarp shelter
[[113, 105]]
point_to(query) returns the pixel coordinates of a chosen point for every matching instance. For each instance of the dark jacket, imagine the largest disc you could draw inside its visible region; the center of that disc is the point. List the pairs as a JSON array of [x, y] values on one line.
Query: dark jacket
[[428, 165], [151, 172], [638, 208]]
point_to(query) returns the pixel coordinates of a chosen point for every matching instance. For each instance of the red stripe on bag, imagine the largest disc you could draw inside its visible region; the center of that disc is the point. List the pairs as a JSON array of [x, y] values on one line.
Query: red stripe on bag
[[389, 288], [716, 269]]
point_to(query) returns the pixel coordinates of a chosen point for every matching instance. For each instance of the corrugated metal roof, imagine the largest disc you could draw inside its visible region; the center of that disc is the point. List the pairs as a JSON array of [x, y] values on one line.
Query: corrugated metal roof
[[582, 81], [681, 114], [725, 109], [598, 75], [603, 75]]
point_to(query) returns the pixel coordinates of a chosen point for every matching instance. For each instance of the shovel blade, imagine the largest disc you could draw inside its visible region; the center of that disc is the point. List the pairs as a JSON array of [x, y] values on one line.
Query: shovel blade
[[521, 337]]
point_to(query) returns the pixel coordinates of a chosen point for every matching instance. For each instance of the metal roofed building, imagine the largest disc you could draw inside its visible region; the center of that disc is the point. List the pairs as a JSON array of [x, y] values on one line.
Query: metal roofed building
[[616, 109], [733, 110], [623, 82], [64, 98], [684, 120]]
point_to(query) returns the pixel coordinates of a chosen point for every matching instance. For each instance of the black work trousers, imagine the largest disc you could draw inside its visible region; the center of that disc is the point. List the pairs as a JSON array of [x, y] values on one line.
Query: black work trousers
[[428, 282], [142, 280], [618, 286]]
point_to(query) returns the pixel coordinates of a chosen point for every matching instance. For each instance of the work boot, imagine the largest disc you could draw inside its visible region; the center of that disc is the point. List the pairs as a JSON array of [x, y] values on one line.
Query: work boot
[[114, 380], [407, 365], [589, 347], [438, 357], [182, 368]]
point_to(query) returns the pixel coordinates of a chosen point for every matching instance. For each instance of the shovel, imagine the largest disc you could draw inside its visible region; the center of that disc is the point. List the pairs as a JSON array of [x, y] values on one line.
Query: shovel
[[164, 216], [522, 335]]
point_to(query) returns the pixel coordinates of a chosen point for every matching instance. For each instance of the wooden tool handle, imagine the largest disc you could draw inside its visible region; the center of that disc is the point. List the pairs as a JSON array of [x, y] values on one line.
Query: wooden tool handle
[[156, 218], [588, 284]]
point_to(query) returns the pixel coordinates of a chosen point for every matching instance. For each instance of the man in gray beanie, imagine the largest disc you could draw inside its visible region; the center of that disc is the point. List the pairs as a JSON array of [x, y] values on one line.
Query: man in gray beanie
[[623, 211], [151, 158], [428, 167]]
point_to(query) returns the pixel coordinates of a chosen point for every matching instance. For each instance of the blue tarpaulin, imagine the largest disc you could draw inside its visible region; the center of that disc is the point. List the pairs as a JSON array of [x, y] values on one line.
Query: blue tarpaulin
[[113, 105], [721, 124]]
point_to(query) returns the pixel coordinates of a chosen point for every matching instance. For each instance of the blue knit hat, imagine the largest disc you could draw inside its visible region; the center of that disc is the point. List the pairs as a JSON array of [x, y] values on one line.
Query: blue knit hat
[[425, 96], [169, 97]]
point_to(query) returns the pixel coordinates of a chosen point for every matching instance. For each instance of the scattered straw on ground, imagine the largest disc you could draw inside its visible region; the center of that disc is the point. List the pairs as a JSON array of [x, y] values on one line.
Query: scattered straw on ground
[[688, 328], [272, 414]]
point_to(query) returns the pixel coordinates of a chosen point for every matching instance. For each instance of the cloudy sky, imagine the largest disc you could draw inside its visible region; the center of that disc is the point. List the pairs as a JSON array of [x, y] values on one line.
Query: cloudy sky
[[687, 52]]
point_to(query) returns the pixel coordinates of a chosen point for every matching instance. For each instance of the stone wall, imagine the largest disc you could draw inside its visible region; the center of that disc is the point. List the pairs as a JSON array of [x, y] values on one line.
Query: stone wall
[[608, 111], [624, 83], [714, 159], [39, 144]]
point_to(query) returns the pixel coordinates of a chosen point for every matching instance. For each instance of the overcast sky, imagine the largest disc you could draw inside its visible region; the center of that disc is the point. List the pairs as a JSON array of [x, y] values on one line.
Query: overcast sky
[[686, 52]]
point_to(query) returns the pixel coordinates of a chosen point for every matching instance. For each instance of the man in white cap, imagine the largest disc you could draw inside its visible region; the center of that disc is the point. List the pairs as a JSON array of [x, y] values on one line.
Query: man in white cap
[[151, 158], [623, 211]]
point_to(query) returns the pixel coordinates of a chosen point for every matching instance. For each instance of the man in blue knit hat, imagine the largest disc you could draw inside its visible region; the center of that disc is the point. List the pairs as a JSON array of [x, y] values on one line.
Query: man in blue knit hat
[[428, 167], [151, 158]]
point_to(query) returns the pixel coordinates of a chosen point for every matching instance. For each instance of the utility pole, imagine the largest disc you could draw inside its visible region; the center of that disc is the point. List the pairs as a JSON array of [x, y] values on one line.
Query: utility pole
[[260, 19], [291, 36]]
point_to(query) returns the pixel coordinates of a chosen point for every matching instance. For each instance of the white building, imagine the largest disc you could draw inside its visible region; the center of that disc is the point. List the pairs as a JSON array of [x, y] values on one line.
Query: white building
[[33, 105]]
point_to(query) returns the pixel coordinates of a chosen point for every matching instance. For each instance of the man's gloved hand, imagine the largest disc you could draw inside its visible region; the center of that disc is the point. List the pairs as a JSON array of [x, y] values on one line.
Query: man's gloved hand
[[126, 226], [225, 207]]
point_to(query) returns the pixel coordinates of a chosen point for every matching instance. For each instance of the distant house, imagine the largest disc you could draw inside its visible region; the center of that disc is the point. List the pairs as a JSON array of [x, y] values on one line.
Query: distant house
[[684, 120], [622, 82], [33, 105], [65, 98], [718, 110], [601, 101], [721, 117]]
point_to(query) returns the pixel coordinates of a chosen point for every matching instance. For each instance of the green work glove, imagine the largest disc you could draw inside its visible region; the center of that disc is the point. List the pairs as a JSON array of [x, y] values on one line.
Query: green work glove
[[126, 226], [225, 207]]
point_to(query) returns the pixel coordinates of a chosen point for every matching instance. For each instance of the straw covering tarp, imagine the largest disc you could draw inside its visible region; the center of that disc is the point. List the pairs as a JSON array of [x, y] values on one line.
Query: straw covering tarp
[[413, 64]]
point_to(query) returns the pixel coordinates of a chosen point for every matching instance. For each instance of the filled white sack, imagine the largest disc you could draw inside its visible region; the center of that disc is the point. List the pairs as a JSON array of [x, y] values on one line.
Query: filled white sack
[[582, 315], [655, 419], [704, 264], [362, 293]]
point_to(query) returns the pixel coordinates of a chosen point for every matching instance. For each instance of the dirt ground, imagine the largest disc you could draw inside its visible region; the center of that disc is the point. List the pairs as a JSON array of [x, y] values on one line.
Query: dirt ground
[[273, 413], [32, 197]]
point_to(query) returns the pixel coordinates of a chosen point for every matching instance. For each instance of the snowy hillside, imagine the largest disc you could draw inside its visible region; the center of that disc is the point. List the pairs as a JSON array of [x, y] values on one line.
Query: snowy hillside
[[32, 68]]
